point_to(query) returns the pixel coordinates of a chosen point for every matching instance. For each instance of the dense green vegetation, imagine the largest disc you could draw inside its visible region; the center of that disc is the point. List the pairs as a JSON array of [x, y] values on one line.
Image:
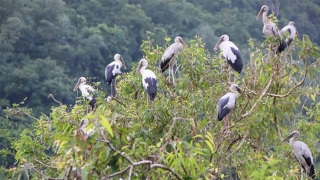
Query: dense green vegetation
[[47, 45]]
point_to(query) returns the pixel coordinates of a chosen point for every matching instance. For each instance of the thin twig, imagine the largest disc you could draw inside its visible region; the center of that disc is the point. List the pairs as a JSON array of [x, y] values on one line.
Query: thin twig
[[240, 144], [261, 96], [289, 92], [50, 95], [166, 168]]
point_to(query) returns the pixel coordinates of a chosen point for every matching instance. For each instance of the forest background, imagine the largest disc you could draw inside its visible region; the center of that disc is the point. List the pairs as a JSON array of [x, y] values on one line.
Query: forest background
[[46, 45]]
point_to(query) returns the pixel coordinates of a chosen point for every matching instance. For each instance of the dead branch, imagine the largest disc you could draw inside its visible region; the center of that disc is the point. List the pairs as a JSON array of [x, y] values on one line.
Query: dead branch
[[50, 95], [261, 96]]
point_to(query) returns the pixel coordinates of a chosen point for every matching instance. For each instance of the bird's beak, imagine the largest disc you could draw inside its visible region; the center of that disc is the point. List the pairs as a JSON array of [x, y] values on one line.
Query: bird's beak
[[76, 86], [138, 69], [124, 64], [181, 40], [218, 43], [239, 90], [260, 13], [287, 138], [81, 123]]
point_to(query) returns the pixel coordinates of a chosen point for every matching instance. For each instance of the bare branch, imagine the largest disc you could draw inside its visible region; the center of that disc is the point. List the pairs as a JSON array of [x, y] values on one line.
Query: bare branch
[[240, 144], [166, 168], [290, 91], [117, 173], [261, 96], [50, 95]]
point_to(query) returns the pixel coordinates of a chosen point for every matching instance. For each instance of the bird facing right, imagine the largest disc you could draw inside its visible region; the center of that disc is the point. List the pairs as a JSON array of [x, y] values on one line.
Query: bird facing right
[[288, 33], [228, 102]]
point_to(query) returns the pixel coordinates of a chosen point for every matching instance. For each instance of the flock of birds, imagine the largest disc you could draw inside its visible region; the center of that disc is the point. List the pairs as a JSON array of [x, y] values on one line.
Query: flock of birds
[[227, 102]]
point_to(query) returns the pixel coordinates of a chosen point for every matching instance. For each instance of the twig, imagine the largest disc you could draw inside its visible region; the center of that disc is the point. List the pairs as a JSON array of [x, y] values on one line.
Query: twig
[[242, 141], [261, 96], [289, 92], [166, 168], [50, 95], [117, 173]]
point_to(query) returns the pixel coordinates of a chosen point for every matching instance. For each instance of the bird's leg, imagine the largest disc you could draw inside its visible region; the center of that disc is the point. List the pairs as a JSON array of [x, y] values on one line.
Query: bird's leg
[[301, 173], [147, 98], [115, 87], [229, 73], [85, 102], [111, 88], [172, 73]]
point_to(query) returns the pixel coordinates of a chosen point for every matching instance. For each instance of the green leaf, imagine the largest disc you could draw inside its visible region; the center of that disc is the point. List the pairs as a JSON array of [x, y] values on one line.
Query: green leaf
[[105, 123]]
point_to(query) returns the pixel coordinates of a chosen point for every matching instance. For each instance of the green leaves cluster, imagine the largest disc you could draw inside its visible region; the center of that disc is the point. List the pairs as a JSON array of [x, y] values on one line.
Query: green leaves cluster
[[180, 137]]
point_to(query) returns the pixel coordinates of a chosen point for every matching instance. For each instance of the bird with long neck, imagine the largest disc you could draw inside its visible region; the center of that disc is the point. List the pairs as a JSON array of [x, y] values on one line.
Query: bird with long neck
[[87, 91], [113, 69], [269, 28], [302, 154], [170, 55], [227, 103], [231, 53], [287, 38], [149, 80]]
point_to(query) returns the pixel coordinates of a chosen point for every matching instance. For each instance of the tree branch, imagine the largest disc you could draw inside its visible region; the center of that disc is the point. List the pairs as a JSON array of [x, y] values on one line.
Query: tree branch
[[261, 96], [50, 95], [290, 91]]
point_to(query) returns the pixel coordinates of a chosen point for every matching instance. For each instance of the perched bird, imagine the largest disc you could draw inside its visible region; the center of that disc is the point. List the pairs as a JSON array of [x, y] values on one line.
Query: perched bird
[[170, 55], [288, 38], [269, 28], [113, 69], [302, 153], [230, 52], [149, 80], [83, 128], [88, 92], [227, 102]]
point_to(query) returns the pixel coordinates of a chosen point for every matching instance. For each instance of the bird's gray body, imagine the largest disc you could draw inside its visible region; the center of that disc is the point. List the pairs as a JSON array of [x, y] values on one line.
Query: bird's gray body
[[269, 28], [227, 102], [149, 79], [302, 153], [287, 34]]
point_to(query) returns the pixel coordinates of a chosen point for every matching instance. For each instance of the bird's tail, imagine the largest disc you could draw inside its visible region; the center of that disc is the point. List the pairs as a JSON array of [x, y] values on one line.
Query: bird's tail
[[312, 174], [284, 44]]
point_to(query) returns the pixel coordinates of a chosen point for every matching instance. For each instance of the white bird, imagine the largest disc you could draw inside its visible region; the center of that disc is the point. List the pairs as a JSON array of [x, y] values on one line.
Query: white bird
[[288, 38], [83, 128], [113, 69], [170, 55], [269, 28], [228, 102], [230, 52], [149, 80], [302, 153], [88, 92]]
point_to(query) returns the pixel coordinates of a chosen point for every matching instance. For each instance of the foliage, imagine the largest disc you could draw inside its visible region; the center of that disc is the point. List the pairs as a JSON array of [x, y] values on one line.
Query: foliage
[[180, 137]]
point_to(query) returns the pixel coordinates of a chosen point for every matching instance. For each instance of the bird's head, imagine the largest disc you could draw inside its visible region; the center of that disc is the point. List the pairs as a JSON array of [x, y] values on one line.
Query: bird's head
[[235, 88], [118, 57], [295, 134], [82, 80], [143, 63], [263, 9], [292, 23], [179, 39], [222, 38], [83, 123]]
